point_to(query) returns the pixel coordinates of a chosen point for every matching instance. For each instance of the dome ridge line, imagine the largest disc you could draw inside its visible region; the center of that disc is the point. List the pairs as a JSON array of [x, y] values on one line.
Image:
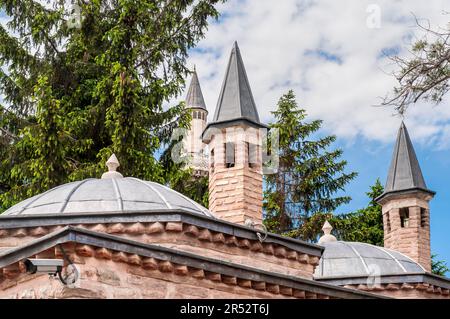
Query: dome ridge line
[[119, 195], [38, 196], [154, 190], [96, 195], [203, 209], [410, 259], [73, 190], [392, 256], [359, 256]]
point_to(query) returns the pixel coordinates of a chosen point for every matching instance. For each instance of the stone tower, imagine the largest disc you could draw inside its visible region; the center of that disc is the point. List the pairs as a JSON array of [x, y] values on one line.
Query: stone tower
[[405, 204], [193, 143], [235, 146]]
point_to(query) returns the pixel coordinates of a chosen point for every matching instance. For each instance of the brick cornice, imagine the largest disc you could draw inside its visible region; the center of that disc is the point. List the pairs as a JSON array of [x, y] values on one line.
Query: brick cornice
[[21, 226], [87, 243]]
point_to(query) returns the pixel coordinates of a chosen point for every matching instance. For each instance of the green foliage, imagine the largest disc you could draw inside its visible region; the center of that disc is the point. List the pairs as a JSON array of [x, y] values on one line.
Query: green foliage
[[438, 267], [365, 225], [308, 176], [73, 95]]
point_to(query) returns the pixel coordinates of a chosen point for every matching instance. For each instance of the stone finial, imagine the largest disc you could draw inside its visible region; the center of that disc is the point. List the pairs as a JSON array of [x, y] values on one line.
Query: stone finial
[[327, 228], [112, 163], [327, 237]]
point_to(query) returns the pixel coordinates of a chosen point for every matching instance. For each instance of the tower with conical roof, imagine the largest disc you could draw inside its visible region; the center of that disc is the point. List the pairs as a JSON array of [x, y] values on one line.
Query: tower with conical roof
[[235, 145], [193, 142], [405, 204]]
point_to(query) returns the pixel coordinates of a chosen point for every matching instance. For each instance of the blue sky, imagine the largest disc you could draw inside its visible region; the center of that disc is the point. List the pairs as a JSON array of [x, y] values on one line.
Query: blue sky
[[335, 56]]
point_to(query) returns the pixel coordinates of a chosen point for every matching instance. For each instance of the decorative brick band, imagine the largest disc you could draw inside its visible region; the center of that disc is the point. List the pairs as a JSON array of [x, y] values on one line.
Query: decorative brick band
[[201, 234], [421, 289], [162, 260]]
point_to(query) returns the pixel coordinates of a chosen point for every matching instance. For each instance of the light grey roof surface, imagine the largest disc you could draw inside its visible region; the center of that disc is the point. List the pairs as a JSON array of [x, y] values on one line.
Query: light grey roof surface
[[404, 172], [236, 99], [194, 97], [106, 195], [351, 259]]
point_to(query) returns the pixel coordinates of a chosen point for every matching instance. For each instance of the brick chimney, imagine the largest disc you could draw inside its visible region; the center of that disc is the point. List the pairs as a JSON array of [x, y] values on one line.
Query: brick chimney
[[235, 146], [405, 204]]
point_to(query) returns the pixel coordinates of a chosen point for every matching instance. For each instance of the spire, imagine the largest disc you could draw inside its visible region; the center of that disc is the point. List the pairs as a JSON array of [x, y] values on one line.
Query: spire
[[194, 97], [404, 173], [236, 99], [112, 163], [327, 237]]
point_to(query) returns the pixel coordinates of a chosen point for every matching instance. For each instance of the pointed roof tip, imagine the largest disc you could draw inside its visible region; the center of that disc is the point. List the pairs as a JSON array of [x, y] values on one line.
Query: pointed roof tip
[[327, 237], [194, 96], [113, 161], [404, 172], [236, 100], [327, 228]]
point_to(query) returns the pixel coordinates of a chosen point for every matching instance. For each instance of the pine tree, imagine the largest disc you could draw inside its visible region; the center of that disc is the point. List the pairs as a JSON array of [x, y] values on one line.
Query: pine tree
[[438, 267], [364, 225], [75, 94], [308, 176]]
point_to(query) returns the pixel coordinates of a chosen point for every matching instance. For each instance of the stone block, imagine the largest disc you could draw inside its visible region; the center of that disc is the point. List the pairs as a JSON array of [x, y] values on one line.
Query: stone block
[[108, 277]]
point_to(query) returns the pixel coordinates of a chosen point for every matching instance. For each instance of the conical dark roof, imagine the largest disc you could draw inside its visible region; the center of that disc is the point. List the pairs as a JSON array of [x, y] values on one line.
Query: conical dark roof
[[236, 99], [194, 97], [404, 173]]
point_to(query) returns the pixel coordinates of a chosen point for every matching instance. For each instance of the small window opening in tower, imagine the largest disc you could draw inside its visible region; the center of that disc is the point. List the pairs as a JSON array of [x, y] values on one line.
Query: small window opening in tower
[[404, 217], [251, 154], [388, 223], [211, 161], [230, 157], [423, 217]]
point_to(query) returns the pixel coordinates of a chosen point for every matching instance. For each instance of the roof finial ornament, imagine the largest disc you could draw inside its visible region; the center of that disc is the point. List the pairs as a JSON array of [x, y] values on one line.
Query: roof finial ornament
[[327, 237], [112, 163]]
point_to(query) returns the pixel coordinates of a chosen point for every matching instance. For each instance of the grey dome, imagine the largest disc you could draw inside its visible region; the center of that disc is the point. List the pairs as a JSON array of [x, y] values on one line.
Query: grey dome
[[350, 259], [106, 195]]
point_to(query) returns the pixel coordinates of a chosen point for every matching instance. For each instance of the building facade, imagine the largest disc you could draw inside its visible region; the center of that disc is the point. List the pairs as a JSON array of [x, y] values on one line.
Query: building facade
[[122, 237]]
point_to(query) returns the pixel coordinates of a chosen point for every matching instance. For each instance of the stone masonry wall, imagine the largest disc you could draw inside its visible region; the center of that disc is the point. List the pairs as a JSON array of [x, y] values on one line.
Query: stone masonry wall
[[185, 237], [105, 274], [406, 291], [412, 240], [235, 193]]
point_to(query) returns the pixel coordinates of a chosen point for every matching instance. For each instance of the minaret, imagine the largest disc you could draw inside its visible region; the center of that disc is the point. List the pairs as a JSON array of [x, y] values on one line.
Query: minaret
[[235, 146], [194, 145], [405, 204]]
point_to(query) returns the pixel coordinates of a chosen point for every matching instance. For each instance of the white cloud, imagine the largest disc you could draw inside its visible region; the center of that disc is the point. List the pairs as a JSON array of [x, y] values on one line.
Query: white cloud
[[281, 42]]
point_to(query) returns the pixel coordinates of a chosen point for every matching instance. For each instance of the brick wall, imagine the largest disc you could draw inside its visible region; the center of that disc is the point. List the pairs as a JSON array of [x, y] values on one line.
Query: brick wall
[[235, 191], [201, 241], [413, 239]]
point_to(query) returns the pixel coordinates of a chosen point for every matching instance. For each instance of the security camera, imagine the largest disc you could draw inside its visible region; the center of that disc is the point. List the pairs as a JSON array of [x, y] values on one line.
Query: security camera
[[49, 266]]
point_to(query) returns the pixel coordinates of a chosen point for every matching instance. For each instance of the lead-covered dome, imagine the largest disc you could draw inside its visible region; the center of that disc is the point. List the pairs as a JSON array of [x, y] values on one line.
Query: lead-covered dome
[[106, 195], [350, 259]]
